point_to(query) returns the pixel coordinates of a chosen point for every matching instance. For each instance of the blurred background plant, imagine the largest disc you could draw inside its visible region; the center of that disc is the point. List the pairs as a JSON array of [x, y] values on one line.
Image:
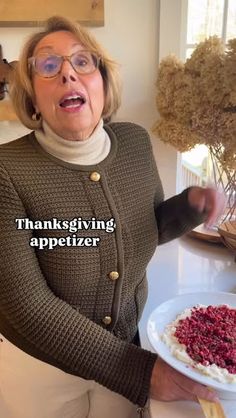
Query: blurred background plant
[[196, 102]]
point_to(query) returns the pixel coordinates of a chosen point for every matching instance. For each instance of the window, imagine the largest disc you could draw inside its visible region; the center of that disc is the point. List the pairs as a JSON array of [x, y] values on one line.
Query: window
[[205, 18]]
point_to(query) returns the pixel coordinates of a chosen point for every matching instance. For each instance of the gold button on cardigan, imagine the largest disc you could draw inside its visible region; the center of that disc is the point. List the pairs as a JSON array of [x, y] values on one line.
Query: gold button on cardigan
[[107, 320], [114, 275], [95, 176]]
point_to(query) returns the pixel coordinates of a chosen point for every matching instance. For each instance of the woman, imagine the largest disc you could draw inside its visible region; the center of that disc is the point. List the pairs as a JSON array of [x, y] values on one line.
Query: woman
[[81, 214]]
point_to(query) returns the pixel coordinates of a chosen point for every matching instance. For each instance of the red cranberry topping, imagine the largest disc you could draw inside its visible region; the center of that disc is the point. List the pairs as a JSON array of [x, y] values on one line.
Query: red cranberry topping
[[209, 335]]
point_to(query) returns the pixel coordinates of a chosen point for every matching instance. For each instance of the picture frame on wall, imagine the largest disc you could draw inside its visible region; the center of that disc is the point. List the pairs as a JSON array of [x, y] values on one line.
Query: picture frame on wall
[[18, 13]]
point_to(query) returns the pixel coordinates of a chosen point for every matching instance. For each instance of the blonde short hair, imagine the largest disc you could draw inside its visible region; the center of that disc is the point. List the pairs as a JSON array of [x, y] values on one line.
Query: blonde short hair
[[22, 93]]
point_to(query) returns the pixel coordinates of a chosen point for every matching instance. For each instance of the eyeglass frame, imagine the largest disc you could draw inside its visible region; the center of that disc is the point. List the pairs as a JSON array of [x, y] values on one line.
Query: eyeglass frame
[[32, 60]]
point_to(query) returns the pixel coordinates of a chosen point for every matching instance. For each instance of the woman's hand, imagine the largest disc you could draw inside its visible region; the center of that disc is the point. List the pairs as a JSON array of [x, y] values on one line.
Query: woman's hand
[[207, 200], [169, 385]]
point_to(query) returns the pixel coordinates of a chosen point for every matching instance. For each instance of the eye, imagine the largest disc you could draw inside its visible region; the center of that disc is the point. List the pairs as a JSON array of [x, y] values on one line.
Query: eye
[[82, 60], [47, 64]]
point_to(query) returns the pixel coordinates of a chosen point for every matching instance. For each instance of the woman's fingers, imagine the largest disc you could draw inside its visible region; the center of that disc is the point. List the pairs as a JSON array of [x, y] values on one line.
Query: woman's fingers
[[207, 200], [216, 202], [167, 384]]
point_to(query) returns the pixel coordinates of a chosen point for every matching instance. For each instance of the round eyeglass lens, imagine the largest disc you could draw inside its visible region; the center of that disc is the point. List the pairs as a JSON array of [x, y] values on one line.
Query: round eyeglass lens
[[48, 65], [84, 62]]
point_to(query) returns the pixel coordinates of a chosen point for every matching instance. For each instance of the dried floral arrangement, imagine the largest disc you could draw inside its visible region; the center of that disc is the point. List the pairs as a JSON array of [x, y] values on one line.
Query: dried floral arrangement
[[196, 101]]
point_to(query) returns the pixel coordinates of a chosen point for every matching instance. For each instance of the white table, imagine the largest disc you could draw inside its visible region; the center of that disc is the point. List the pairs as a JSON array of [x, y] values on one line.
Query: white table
[[186, 265]]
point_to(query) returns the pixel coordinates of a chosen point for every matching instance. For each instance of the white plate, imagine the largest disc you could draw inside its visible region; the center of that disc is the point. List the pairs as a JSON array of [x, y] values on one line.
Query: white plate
[[166, 313]]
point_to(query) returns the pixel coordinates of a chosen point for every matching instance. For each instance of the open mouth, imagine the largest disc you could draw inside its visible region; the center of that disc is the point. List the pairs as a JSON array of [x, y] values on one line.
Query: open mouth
[[72, 101]]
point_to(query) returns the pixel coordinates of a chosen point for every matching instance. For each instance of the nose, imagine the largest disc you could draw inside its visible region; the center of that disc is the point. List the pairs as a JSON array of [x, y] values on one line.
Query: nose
[[67, 72]]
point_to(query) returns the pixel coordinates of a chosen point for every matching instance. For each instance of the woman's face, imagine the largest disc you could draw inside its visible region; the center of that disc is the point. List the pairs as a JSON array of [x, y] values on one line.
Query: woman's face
[[70, 119]]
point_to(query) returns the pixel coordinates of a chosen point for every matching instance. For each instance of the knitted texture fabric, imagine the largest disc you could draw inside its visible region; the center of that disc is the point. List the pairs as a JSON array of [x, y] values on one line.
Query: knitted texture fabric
[[53, 301]]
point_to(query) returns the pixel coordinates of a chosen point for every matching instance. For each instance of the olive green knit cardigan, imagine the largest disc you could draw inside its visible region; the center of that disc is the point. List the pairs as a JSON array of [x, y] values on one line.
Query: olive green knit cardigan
[[63, 306]]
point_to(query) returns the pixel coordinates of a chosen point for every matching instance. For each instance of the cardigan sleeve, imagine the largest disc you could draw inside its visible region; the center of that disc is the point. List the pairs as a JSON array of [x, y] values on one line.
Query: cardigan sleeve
[[174, 216], [48, 327]]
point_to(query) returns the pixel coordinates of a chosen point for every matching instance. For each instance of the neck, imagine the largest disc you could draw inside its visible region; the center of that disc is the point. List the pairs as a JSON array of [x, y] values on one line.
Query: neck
[[87, 152]]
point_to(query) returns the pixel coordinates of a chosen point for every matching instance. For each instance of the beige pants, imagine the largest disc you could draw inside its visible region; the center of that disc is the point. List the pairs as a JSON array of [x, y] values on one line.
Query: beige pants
[[30, 388]]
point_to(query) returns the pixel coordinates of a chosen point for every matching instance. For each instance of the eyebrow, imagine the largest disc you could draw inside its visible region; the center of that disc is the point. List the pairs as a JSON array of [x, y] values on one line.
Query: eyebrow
[[50, 47]]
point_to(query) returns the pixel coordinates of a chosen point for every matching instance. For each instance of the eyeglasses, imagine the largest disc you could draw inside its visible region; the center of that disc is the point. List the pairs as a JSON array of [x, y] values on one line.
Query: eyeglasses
[[49, 65]]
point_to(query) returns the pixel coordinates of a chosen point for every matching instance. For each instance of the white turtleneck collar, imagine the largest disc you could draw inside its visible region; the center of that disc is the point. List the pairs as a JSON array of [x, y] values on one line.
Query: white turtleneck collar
[[90, 151]]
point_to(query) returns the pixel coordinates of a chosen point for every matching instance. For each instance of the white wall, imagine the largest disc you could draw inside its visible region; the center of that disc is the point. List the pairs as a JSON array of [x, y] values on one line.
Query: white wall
[[130, 35], [172, 33]]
